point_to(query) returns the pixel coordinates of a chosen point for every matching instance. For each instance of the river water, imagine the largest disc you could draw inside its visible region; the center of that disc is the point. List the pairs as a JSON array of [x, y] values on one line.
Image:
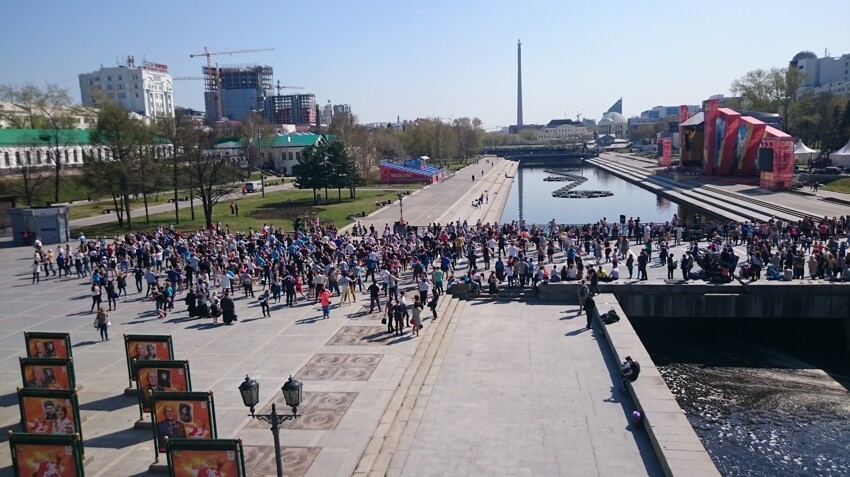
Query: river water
[[767, 398], [539, 207]]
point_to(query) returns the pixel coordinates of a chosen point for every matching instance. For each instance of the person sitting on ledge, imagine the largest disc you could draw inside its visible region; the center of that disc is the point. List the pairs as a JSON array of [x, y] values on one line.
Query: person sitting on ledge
[[615, 274], [554, 276]]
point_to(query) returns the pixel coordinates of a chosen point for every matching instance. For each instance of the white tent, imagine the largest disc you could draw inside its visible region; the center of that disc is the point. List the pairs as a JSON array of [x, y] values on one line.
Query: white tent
[[803, 153], [841, 157]]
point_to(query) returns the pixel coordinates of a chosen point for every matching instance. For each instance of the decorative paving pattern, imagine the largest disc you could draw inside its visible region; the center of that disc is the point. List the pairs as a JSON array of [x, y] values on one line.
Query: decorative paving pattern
[[319, 411], [339, 367], [361, 336], [259, 460]]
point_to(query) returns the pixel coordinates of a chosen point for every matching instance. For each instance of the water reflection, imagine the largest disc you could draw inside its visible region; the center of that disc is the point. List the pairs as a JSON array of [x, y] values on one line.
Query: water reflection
[[531, 199], [766, 399]]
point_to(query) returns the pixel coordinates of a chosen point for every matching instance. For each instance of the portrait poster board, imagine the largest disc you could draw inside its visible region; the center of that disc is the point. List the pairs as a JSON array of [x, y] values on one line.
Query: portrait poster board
[[146, 348], [48, 373], [182, 415], [206, 457], [50, 411], [46, 455], [161, 376], [48, 345]]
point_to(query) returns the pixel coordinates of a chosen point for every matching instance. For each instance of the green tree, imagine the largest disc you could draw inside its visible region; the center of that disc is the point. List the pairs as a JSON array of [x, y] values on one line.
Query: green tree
[[119, 172], [212, 175], [309, 172], [341, 170], [773, 91]]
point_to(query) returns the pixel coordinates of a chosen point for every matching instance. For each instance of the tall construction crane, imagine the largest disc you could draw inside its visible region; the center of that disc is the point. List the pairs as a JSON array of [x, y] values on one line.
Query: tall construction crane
[[212, 78], [279, 87]]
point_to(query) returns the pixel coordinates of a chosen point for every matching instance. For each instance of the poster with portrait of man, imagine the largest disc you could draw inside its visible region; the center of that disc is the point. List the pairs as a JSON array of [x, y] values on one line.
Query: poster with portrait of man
[[37, 455], [48, 345], [48, 373], [183, 415], [146, 348], [49, 411], [161, 376], [205, 458]]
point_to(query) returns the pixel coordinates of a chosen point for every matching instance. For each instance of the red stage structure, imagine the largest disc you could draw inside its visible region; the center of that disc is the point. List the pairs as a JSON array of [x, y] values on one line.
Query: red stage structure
[[731, 144]]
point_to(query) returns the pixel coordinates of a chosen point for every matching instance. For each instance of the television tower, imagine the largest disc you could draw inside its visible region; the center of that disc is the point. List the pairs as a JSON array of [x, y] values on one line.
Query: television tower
[[519, 83]]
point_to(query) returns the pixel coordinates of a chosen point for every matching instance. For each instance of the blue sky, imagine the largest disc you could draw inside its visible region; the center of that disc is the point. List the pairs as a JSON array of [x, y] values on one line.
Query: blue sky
[[437, 58]]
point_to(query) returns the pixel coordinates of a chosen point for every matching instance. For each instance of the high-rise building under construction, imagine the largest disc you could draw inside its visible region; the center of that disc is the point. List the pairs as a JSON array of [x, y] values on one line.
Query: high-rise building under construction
[[234, 91]]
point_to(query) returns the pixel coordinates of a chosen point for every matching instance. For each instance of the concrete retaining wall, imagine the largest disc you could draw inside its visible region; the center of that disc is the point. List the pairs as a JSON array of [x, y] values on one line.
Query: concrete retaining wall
[[762, 299], [676, 445]]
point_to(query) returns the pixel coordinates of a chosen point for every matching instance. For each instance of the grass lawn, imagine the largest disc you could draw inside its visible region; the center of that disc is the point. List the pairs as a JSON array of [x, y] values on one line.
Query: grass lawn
[[277, 208], [81, 210], [839, 185]]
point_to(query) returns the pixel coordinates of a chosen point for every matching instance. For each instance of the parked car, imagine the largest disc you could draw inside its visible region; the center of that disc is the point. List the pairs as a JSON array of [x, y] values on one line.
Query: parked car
[[832, 170]]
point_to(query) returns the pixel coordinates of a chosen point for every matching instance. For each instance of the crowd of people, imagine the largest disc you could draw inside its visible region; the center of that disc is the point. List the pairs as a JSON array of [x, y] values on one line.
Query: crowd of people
[[207, 269]]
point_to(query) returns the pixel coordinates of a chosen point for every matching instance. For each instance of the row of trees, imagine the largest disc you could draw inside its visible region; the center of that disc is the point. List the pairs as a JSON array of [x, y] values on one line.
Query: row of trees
[[458, 140], [821, 121]]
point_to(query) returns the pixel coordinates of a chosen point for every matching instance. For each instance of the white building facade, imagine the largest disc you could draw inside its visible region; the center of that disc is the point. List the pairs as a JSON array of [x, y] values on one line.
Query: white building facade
[[822, 75], [147, 90], [564, 129]]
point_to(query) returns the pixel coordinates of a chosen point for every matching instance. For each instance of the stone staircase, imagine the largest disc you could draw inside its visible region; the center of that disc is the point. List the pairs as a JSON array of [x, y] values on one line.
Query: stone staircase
[[392, 439]]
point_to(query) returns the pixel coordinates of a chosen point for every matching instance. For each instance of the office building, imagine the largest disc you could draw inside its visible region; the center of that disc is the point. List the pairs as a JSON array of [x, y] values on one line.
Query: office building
[[146, 90], [822, 75]]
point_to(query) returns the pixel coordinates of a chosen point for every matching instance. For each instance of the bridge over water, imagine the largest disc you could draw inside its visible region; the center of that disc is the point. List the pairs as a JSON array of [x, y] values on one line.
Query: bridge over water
[[556, 156]]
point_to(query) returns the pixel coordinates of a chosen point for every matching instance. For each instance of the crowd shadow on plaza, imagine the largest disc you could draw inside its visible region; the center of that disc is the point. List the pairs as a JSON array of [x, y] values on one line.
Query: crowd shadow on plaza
[[120, 439], [110, 403]]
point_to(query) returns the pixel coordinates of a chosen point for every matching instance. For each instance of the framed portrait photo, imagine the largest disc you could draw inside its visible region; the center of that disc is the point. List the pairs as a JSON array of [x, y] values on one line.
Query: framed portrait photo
[[37, 455], [183, 415], [146, 348], [48, 345], [48, 373], [205, 458], [50, 412], [161, 376]]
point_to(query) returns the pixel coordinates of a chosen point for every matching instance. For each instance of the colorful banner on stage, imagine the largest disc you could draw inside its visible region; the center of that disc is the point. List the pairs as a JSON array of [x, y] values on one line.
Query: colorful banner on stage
[[47, 345], [35, 455], [183, 415], [206, 458], [709, 153], [47, 373]]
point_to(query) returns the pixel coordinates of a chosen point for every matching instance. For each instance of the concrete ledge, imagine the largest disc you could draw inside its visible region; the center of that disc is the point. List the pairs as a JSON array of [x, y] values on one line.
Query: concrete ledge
[[676, 445]]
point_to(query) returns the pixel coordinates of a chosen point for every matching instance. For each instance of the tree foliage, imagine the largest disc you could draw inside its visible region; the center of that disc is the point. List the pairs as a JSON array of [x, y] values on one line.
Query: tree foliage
[[121, 169], [772, 91], [212, 175], [327, 166], [47, 109]]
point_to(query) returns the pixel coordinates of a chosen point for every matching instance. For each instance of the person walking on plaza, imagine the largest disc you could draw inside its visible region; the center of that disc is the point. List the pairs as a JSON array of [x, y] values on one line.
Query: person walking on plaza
[[228, 308], [643, 259], [583, 293], [589, 310], [416, 312], [325, 300], [101, 321], [264, 303], [671, 265], [374, 296], [36, 272], [630, 263]]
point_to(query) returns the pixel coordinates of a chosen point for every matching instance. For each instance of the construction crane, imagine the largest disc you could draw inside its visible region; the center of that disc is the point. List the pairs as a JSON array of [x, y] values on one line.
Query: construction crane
[[212, 79], [279, 87]]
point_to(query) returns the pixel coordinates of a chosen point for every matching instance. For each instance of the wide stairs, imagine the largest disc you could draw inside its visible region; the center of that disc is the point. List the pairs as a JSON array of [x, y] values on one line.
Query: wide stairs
[[392, 439]]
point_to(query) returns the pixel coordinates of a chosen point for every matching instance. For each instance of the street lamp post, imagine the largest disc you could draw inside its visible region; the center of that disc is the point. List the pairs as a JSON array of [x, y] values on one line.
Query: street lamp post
[[400, 207], [250, 391], [259, 159]]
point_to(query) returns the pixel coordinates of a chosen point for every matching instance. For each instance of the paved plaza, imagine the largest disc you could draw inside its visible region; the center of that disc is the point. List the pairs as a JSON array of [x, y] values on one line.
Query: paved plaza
[[521, 389]]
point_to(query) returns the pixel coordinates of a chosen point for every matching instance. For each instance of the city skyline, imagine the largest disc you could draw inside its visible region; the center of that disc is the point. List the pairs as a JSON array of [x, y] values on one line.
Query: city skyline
[[390, 60]]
